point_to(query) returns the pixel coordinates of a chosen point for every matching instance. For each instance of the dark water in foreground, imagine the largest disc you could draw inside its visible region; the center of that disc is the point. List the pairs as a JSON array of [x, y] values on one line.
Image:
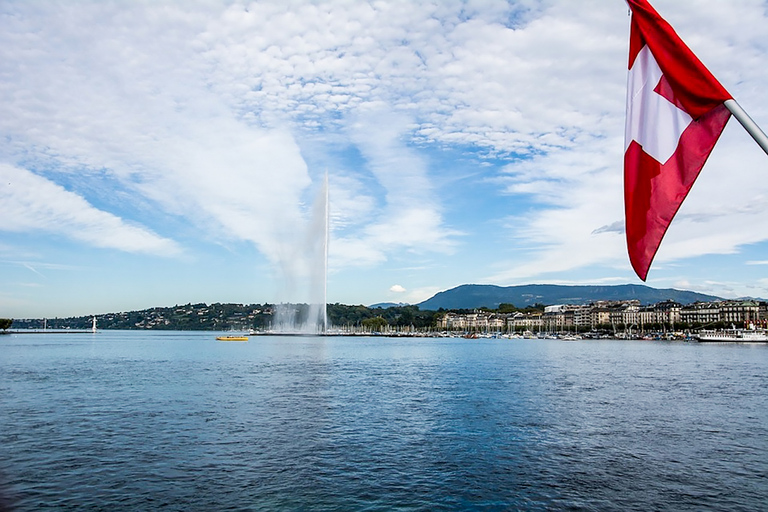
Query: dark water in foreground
[[177, 421]]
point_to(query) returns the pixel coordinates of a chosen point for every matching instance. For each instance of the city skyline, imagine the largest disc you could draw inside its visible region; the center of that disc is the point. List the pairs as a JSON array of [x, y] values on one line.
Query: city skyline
[[170, 153]]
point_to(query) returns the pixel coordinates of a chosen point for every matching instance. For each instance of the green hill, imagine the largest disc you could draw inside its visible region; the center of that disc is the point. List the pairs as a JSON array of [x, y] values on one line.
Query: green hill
[[471, 296]]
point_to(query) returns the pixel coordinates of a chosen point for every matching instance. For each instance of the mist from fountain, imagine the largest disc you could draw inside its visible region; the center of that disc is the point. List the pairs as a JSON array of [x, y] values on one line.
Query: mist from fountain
[[307, 264]]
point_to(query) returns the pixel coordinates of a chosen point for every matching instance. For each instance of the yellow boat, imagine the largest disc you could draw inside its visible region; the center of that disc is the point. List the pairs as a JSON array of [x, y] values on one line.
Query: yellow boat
[[232, 338]]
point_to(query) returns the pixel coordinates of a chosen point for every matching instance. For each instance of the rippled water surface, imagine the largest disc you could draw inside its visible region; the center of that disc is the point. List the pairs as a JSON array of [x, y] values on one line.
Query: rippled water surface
[[137, 420]]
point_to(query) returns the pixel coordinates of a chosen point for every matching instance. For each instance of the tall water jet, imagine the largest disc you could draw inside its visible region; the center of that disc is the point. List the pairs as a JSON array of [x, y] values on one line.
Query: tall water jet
[[308, 263], [318, 242]]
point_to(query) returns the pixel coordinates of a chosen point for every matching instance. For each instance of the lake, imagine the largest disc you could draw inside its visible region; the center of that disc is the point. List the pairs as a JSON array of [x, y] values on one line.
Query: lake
[[177, 421]]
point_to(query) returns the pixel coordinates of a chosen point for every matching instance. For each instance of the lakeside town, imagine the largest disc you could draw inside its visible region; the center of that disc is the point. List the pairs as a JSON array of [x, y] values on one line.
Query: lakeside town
[[620, 318]]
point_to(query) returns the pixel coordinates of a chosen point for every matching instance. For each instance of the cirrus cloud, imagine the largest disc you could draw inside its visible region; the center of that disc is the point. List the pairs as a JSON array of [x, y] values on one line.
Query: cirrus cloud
[[29, 202]]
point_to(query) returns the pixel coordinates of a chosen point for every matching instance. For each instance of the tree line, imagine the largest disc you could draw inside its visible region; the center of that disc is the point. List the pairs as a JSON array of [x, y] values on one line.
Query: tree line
[[203, 317]]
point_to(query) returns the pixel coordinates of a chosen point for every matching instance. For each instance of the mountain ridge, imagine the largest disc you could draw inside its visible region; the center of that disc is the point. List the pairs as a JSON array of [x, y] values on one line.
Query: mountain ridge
[[470, 296]]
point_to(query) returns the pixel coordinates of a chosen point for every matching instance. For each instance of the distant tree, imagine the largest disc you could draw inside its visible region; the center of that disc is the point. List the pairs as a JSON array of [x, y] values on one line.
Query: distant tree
[[405, 317], [5, 323], [506, 308], [342, 315], [375, 324], [536, 308]]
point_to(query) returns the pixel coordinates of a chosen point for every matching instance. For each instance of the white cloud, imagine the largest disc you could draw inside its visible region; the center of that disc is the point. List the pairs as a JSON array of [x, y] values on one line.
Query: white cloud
[[580, 193], [235, 181], [410, 216], [203, 113], [151, 110], [505, 77], [421, 294], [29, 202], [396, 288], [132, 103]]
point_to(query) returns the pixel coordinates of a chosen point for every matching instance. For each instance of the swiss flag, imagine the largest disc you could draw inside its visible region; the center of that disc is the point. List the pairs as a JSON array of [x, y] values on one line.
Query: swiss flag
[[675, 114]]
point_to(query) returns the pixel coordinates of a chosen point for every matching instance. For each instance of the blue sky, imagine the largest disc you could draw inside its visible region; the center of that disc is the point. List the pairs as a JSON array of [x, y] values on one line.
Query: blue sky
[[160, 153]]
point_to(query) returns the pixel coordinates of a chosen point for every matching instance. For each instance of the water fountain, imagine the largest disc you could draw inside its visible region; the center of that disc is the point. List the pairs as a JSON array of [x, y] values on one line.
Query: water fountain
[[309, 265]]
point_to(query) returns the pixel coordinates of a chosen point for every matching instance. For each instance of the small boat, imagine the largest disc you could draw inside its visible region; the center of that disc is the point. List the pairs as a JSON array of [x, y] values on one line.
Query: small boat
[[232, 338]]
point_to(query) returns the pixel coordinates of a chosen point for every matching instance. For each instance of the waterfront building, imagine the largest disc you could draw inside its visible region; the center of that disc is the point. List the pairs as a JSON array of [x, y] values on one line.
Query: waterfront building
[[562, 317], [730, 312], [739, 313], [646, 317], [700, 313], [600, 316], [554, 318], [668, 312], [627, 315], [665, 314], [497, 322], [762, 313], [453, 322], [477, 321], [582, 316], [630, 313], [522, 322]]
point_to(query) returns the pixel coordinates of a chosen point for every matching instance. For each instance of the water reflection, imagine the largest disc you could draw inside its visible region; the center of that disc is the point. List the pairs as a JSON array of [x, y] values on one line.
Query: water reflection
[[142, 420]]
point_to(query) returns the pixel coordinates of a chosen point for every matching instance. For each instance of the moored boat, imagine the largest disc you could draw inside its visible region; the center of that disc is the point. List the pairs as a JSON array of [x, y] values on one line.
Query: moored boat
[[734, 336]]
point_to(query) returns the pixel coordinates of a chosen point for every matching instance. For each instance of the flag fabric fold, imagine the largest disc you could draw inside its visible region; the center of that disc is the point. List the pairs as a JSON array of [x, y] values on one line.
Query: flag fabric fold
[[675, 115]]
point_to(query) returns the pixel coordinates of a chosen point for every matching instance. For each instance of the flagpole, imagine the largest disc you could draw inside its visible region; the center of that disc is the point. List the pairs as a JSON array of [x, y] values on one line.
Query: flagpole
[[748, 124]]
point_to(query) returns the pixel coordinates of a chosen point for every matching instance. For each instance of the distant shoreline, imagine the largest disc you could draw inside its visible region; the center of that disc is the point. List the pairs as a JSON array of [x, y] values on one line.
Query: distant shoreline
[[49, 331]]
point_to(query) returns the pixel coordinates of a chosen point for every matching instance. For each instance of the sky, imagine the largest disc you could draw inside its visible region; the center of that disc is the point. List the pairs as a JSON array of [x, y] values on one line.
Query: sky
[[173, 152]]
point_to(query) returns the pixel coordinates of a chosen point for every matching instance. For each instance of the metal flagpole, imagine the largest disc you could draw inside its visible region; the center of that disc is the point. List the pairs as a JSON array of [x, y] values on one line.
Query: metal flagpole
[[748, 124]]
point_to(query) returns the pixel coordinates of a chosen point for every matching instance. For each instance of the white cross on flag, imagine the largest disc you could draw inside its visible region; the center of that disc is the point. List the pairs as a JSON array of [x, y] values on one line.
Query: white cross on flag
[[675, 114]]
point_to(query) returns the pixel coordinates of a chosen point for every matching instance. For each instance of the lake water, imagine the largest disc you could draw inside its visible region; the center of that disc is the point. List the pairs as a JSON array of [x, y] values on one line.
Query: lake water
[[177, 421]]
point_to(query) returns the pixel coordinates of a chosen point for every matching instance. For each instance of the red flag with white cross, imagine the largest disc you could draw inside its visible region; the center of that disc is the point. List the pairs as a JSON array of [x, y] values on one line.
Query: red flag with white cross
[[675, 113]]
